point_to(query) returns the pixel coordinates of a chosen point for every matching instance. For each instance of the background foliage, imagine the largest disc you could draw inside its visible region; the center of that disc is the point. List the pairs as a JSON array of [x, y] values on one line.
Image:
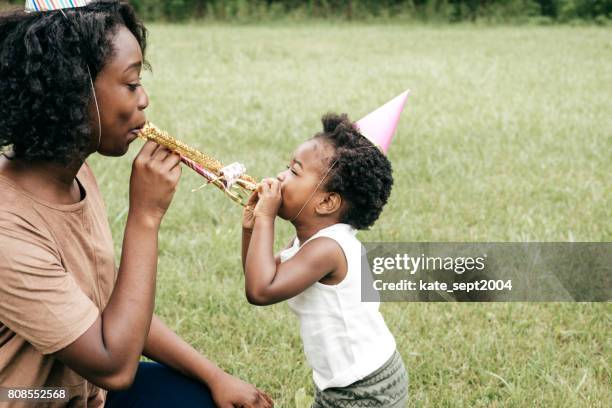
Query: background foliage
[[424, 10]]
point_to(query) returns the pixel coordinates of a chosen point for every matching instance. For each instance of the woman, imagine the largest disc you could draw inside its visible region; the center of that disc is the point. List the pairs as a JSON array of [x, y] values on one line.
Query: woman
[[69, 87]]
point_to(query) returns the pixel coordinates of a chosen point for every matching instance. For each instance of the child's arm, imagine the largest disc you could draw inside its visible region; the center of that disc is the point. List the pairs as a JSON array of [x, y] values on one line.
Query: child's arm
[[269, 282], [246, 241], [248, 221]]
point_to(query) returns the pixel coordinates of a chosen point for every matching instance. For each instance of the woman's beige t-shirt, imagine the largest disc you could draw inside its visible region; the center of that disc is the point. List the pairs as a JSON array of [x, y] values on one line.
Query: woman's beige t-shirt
[[57, 272]]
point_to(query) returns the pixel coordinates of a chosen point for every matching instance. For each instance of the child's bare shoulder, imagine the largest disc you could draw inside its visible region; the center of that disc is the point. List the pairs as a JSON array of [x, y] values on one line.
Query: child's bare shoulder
[[323, 250], [322, 246]]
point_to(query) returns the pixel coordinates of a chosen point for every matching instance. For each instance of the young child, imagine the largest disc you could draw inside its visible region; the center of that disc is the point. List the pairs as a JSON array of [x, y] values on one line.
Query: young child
[[336, 183]]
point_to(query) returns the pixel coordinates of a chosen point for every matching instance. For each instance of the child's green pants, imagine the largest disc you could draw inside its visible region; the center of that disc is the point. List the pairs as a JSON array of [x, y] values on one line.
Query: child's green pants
[[386, 387]]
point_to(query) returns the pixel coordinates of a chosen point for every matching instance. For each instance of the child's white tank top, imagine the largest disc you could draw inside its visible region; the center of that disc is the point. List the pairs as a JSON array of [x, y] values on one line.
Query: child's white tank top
[[344, 339]]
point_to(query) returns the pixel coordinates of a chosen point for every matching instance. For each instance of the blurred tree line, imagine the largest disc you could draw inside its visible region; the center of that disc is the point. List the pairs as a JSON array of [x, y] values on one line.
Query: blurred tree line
[[425, 10]]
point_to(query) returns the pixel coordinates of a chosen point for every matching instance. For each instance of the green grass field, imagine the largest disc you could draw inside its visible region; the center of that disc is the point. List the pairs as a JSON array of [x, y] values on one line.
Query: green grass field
[[507, 136]]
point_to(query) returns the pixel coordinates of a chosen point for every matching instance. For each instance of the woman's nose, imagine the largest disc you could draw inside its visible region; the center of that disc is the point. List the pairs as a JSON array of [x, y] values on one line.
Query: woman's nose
[[281, 176], [143, 100]]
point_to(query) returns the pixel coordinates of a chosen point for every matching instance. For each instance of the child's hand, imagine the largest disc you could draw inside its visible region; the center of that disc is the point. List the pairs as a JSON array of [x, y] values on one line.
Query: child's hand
[[248, 215], [270, 198]]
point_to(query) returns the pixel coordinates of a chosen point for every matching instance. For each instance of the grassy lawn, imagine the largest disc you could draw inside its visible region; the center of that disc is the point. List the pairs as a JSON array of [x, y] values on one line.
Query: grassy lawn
[[507, 136]]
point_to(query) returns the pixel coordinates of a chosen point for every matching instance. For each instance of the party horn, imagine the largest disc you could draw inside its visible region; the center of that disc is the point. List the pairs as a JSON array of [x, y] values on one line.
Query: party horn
[[232, 179]]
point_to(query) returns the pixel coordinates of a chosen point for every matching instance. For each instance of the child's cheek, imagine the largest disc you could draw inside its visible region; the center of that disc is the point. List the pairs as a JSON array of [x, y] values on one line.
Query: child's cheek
[[285, 202], [281, 211]]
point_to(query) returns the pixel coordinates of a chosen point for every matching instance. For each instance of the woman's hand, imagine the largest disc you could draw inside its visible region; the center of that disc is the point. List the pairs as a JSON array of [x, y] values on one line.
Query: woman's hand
[[155, 175], [270, 198], [231, 392], [248, 215]]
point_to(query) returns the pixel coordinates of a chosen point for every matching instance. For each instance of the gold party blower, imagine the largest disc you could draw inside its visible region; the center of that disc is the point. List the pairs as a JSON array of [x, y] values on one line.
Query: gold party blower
[[231, 179]]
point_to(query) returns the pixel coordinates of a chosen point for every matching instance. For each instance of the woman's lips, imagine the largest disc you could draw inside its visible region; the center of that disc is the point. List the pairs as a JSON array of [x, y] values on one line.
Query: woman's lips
[[136, 131], [133, 134]]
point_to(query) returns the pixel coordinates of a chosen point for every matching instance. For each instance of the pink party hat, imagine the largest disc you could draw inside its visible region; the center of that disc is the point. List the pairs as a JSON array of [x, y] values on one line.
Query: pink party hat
[[379, 126]]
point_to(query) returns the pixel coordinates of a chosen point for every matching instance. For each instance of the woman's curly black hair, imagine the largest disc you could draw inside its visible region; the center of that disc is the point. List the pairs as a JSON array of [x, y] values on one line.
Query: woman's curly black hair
[[45, 88], [362, 174]]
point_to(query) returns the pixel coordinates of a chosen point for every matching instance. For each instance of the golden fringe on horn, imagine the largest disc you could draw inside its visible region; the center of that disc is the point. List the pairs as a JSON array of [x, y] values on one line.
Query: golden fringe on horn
[[208, 167]]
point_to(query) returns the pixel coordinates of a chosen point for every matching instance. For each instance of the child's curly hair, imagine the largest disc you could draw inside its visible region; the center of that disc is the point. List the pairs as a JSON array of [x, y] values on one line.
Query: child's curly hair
[[44, 84], [362, 174]]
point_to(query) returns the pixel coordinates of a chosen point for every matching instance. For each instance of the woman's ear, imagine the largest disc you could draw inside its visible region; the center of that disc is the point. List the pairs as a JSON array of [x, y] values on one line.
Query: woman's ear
[[329, 204]]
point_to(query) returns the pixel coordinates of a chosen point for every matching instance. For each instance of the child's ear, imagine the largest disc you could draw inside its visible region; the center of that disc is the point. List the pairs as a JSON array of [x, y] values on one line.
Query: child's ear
[[329, 204]]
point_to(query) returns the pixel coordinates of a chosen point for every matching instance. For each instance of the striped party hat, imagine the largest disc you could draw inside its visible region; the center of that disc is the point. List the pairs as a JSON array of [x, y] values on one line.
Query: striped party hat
[[50, 5]]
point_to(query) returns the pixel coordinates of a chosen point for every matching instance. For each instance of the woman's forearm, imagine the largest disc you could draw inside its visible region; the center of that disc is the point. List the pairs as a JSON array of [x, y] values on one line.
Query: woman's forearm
[[127, 316], [166, 347]]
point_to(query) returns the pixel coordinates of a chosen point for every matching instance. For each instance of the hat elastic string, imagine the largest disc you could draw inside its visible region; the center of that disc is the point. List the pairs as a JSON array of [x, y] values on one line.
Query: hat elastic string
[[314, 191], [93, 92]]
